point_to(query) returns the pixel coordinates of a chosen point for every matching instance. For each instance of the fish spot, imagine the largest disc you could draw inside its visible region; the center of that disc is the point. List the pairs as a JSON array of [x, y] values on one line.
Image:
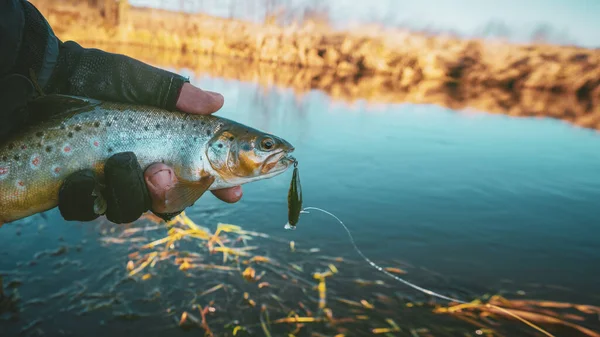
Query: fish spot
[[78, 128], [130, 120], [67, 149], [97, 124], [11, 146], [182, 126], [145, 128], [208, 132], [48, 149], [23, 147], [96, 144], [20, 185], [220, 146], [231, 138], [202, 123], [56, 170], [17, 157], [35, 161], [157, 126], [195, 139], [39, 134], [110, 150], [3, 171], [108, 124], [62, 127], [70, 135], [4, 158]]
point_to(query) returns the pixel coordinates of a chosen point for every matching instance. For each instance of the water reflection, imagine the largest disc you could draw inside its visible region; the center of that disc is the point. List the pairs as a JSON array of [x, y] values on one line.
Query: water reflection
[[376, 89]]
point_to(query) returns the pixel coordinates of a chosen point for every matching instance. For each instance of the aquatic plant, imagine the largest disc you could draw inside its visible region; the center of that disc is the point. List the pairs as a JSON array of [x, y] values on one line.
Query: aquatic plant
[[273, 287]]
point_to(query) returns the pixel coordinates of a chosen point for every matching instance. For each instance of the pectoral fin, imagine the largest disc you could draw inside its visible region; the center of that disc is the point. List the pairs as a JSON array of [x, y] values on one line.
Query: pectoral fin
[[185, 194]]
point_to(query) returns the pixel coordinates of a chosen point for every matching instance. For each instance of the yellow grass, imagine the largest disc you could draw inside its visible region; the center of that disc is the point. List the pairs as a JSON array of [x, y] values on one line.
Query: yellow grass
[[409, 58]]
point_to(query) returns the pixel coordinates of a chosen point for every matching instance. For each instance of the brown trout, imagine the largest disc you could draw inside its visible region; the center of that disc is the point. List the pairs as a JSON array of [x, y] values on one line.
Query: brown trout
[[206, 152]]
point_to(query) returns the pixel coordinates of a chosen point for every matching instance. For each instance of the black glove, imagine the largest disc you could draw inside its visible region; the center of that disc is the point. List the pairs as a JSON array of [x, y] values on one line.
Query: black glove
[[33, 51], [123, 192], [112, 77], [16, 92]]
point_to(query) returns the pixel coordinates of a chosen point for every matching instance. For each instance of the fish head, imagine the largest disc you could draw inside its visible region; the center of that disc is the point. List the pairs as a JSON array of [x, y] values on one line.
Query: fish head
[[241, 154]]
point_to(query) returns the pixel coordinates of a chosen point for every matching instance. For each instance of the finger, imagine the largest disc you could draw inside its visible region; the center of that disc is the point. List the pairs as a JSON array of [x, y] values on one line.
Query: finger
[[197, 101], [76, 197], [160, 178], [230, 195], [126, 196]]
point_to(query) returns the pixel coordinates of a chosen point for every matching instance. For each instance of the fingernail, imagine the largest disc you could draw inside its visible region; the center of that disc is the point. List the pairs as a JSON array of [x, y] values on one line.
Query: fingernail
[[237, 192], [160, 179], [219, 99]]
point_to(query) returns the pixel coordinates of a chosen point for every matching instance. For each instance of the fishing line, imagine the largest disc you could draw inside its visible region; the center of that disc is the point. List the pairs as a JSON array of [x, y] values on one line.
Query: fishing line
[[374, 265], [414, 286]]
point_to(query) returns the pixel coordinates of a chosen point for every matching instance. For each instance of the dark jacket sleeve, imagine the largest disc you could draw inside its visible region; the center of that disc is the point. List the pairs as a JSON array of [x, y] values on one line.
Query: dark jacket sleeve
[[68, 68], [11, 26]]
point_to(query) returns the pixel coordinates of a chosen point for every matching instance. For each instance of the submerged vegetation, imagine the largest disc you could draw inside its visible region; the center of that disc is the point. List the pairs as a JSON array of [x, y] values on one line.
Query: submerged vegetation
[[235, 282]]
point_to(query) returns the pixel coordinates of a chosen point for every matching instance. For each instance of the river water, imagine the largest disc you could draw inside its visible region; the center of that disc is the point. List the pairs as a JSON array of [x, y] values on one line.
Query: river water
[[486, 202]]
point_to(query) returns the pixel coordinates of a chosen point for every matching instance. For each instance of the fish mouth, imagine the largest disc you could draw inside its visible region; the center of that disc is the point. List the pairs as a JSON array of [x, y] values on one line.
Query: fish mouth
[[278, 162]]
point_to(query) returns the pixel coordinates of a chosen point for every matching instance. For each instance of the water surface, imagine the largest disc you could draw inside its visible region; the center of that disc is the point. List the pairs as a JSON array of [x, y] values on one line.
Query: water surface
[[486, 201]]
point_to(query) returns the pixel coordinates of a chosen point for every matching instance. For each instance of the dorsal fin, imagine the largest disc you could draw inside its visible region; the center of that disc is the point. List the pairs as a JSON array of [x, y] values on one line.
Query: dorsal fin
[[48, 106]]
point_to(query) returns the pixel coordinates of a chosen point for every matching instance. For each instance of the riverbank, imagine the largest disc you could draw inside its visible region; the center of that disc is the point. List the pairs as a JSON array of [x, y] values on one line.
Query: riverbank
[[408, 59]]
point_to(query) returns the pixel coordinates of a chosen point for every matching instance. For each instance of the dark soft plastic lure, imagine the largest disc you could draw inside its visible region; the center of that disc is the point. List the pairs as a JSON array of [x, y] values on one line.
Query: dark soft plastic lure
[[294, 199]]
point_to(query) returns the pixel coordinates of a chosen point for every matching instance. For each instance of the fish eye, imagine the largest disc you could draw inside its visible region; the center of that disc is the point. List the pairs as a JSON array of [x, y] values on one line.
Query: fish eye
[[267, 144]]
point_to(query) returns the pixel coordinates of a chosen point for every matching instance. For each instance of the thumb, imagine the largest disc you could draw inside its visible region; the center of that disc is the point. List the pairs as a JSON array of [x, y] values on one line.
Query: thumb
[[160, 179], [197, 101]]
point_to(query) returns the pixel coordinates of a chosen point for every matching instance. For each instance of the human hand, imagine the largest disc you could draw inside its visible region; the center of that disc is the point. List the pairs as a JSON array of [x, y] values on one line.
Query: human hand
[[159, 177], [124, 192], [69, 69]]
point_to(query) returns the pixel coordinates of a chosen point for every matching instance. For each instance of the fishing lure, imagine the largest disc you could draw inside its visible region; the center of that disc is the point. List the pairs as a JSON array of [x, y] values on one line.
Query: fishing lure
[[294, 199]]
